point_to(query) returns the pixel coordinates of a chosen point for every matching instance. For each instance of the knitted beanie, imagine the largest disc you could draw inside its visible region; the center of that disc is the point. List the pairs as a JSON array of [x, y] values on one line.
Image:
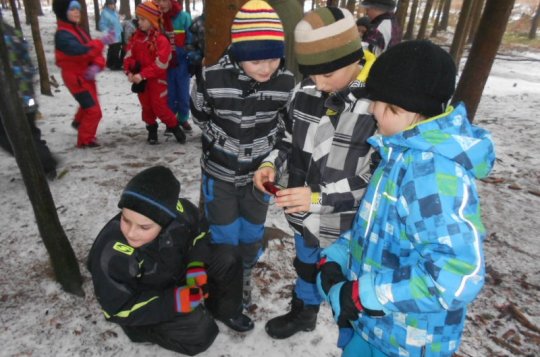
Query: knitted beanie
[[417, 76], [257, 33], [153, 193], [327, 39], [384, 5], [150, 11]]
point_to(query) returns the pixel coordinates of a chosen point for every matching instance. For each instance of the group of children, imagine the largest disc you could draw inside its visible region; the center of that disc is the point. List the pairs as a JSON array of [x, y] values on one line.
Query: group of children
[[380, 191]]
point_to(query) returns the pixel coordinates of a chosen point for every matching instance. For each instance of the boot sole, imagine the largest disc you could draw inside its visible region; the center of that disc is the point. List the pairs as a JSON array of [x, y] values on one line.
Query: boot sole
[[307, 329]]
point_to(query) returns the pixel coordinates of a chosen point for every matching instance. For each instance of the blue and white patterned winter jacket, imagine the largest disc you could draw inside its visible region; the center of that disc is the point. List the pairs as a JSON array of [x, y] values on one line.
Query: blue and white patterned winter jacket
[[416, 243]]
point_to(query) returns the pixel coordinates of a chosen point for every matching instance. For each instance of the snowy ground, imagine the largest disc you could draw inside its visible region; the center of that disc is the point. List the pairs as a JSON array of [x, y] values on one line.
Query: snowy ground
[[38, 319]]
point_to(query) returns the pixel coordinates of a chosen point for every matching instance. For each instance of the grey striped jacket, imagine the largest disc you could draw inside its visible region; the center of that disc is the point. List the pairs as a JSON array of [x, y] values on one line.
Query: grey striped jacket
[[241, 119]]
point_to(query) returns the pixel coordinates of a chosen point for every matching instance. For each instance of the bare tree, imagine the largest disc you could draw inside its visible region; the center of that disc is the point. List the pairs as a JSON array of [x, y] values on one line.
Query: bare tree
[[219, 17], [445, 15], [96, 13], [125, 8], [437, 19], [351, 5], [63, 260], [44, 84], [412, 19], [425, 18], [483, 51], [458, 42], [84, 16], [401, 13], [476, 14], [186, 7], [16, 20], [534, 23]]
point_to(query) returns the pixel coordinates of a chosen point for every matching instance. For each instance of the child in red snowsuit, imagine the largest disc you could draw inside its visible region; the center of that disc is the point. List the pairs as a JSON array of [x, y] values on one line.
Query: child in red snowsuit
[[80, 59], [146, 61]]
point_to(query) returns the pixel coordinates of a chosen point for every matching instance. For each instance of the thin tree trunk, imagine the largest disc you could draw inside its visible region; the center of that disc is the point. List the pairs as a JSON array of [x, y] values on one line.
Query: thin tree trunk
[[44, 83], [445, 15], [16, 20], [62, 257], [219, 16], [186, 7], [96, 13], [137, 3], [483, 51], [412, 18], [401, 13], [351, 5], [534, 23], [425, 18], [125, 8], [84, 16], [476, 14], [458, 42], [437, 19]]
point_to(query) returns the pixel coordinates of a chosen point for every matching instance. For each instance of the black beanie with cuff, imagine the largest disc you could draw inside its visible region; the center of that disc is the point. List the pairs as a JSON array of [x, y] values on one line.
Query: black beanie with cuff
[[153, 193]]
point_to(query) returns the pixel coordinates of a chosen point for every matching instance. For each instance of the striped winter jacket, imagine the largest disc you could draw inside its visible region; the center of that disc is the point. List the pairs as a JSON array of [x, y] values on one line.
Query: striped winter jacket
[[384, 32], [241, 119], [326, 149], [416, 243]]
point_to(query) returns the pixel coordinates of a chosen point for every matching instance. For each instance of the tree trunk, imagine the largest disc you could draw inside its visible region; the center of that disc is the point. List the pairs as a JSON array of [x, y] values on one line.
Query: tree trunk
[[39, 9], [84, 16], [476, 14], [534, 23], [219, 17], [445, 15], [186, 7], [437, 19], [44, 83], [483, 51], [351, 5], [96, 13], [62, 257], [16, 20], [425, 18], [458, 42], [125, 8], [401, 13], [412, 18]]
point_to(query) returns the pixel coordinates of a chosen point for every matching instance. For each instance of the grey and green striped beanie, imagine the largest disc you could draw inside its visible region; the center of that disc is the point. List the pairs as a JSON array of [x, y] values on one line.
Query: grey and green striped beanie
[[327, 39]]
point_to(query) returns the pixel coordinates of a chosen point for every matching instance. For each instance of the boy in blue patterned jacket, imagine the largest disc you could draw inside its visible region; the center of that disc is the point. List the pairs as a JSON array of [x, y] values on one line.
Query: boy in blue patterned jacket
[[400, 281]]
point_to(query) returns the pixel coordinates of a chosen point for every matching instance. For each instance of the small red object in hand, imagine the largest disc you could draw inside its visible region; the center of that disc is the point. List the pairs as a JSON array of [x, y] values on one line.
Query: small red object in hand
[[271, 187]]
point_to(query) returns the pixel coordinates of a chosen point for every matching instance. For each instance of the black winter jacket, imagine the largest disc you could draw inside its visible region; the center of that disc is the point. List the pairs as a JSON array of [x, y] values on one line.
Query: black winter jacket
[[135, 286]]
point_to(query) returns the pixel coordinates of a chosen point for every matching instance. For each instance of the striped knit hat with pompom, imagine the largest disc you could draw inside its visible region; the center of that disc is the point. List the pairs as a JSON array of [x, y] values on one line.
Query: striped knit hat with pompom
[[327, 39], [257, 33], [150, 11]]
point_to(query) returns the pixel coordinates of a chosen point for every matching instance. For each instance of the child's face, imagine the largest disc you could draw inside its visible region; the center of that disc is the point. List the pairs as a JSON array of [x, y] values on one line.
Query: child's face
[[74, 15], [144, 24], [261, 70], [337, 80], [390, 121], [138, 229], [164, 5]]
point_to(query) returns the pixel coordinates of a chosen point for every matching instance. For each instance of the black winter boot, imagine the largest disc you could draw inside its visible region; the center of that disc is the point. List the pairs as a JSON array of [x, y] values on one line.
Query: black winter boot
[[240, 323], [152, 134], [300, 318], [178, 133]]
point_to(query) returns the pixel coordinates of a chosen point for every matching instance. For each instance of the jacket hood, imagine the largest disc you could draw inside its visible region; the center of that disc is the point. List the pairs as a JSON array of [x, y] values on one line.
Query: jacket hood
[[450, 135], [60, 8]]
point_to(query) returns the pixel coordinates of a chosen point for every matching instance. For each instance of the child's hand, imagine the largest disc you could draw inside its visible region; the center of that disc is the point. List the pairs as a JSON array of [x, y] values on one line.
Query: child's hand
[[130, 77], [297, 199], [137, 78], [187, 298], [263, 175], [196, 277]]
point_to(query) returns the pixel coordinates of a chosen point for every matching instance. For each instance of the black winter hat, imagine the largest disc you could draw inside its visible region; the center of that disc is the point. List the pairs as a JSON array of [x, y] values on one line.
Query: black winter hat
[[385, 5], [153, 193], [417, 76]]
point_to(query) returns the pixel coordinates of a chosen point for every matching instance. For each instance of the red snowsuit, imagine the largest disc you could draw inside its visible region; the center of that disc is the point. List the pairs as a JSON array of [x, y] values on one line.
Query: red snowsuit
[[151, 51], [75, 51]]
